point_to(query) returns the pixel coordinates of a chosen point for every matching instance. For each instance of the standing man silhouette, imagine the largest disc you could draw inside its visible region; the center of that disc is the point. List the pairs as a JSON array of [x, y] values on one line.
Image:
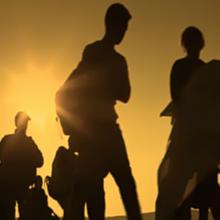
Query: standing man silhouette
[[92, 90], [19, 159]]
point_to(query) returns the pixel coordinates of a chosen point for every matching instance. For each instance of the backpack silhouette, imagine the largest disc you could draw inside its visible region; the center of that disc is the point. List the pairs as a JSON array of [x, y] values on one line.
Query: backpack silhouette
[[59, 184]]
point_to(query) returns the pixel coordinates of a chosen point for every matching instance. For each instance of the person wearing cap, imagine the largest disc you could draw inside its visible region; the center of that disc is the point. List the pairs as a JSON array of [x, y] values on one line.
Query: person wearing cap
[[19, 159], [92, 90]]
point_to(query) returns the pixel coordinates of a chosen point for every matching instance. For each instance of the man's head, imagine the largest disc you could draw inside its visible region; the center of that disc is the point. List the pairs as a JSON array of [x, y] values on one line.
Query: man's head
[[192, 39], [116, 22], [21, 120]]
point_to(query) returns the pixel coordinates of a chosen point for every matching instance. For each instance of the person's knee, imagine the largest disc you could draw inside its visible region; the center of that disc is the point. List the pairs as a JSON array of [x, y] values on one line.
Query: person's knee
[[127, 182]]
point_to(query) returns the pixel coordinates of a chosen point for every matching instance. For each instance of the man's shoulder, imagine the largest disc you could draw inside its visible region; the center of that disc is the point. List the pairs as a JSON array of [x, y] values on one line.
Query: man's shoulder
[[98, 46], [92, 46], [181, 64], [120, 56], [30, 140], [180, 61], [185, 60], [8, 140], [7, 137]]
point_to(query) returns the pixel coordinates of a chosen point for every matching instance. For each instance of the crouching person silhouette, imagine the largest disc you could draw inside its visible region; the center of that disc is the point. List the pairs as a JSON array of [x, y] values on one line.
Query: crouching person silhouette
[[19, 157], [36, 204]]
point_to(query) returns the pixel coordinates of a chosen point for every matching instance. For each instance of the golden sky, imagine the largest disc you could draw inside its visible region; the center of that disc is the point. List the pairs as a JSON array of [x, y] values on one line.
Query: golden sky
[[41, 42]]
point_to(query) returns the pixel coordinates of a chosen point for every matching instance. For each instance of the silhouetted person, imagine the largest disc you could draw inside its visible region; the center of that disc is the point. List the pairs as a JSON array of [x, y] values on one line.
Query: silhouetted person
[[182, 71], [36, 204], [88, 99], [197, 137], [19, 156]]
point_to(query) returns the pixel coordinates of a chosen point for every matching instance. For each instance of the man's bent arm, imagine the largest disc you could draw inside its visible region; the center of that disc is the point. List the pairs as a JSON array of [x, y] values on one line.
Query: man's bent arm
[[124, 88]]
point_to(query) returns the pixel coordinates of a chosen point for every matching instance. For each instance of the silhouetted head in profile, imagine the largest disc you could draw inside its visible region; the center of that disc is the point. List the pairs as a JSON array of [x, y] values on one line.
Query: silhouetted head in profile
[[116, 23], [21, 121], [192, 41]]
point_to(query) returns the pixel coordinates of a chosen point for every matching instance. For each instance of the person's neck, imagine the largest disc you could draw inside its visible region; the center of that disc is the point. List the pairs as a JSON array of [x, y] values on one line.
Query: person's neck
[[193, 55], [107, 40], [20, 131]]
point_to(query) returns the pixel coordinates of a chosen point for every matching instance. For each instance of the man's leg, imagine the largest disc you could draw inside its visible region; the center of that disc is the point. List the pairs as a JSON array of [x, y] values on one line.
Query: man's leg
[[21, 196], [95, 199], [215, 204], [75, 208], [91, 172], [127, 187], [183, 212], [122, 174], [203, 213]]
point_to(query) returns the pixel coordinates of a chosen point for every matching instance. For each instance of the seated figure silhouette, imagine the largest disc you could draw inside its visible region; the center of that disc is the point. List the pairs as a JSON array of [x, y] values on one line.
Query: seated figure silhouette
[[19, 157], [182, 71], [36, 204], [86, 108]]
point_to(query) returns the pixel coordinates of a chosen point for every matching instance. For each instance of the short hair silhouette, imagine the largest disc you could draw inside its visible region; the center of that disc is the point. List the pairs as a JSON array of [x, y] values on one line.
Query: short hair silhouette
[[116, 14], [192, 39], [21, 118]]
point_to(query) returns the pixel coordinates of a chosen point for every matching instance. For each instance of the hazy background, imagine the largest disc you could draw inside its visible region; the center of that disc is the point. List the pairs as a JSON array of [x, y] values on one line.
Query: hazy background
[[41, 42]]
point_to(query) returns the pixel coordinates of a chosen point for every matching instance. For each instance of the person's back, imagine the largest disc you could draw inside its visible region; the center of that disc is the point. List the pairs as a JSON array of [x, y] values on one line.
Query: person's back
[[106, 73], [181, 73], [100, 79], [192, 41]]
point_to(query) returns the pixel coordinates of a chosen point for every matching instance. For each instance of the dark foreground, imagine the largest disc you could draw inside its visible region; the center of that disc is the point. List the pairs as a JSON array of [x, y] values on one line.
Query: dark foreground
[[150, 216]]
